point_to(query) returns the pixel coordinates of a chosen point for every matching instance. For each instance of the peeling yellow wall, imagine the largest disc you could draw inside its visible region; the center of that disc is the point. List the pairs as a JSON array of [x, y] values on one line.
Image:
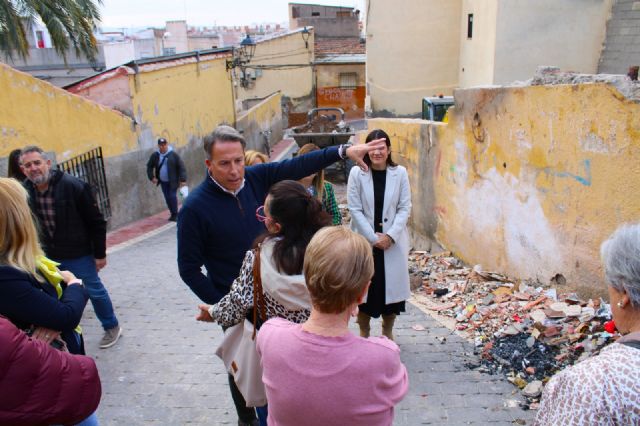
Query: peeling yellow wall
[[182, 102], [263, 117], [294, 79], [534, 182], [33, 112]]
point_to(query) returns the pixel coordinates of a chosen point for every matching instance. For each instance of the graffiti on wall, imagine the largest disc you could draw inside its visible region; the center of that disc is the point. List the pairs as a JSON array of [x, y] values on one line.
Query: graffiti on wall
[[350, 100]]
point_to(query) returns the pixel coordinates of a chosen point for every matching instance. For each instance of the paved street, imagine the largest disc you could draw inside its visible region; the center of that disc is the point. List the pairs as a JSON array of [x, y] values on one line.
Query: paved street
[[163, 370]]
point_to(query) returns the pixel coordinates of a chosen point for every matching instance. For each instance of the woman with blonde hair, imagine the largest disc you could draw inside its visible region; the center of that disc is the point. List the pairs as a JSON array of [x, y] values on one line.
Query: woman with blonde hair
[[320, 188], [34, 295], [251, 158], [319, 373], [291, 217]]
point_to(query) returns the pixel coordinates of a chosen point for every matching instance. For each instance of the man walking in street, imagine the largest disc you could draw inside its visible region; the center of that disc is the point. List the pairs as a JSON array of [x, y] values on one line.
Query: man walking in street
[[218, 222], [73, 231], [166, 168]]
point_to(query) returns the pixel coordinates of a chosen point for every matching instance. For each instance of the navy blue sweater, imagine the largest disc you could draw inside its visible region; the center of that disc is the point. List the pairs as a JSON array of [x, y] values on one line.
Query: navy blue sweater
[[26, 302], [215, 228]]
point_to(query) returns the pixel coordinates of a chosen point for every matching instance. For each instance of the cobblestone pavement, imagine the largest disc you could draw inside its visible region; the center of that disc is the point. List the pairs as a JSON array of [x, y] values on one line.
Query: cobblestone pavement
[[163, 370]]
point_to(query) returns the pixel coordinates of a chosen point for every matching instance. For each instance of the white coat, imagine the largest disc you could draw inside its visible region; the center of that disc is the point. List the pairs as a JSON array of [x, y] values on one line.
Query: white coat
[[395, 213]]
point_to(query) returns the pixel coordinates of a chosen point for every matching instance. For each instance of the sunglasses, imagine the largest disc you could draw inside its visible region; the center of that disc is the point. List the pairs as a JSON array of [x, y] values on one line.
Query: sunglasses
[[260, 215]]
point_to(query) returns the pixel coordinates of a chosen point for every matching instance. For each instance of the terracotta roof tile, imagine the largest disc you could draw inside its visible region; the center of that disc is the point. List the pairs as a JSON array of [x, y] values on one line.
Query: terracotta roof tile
[[339, 45]]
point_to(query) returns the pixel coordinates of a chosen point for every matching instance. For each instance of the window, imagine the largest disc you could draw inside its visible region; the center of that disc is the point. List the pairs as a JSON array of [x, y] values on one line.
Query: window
[[470, 26], [40, 39], [315, 13], [348, 80], [168, 51]]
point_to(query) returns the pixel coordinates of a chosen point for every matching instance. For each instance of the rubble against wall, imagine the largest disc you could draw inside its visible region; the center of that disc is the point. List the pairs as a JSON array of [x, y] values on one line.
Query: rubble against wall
[[549, 76], [522, 329]]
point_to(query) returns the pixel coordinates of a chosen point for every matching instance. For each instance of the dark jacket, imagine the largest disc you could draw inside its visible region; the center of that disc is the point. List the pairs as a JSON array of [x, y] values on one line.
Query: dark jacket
[[40, 385], [215, 228], [175, 165], [80, 227], [26, 302]]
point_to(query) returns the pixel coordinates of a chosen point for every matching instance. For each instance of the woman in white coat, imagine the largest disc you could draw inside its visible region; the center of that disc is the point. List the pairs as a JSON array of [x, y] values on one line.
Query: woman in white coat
[[380, 202]]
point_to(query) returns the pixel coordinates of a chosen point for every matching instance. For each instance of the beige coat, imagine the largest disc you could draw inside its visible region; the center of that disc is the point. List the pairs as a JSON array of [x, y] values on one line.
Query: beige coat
[[395, 213]]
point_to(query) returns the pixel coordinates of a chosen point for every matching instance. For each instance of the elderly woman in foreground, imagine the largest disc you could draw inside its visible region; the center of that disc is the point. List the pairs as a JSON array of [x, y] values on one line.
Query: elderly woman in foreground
[[605, 389], [318, 373]]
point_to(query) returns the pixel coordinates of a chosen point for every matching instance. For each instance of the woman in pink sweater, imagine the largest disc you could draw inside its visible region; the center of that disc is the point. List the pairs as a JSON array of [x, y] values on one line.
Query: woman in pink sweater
[[318, 373]]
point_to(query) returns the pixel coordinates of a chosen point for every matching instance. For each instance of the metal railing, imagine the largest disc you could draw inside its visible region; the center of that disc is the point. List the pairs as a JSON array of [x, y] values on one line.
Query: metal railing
[[89, 167]]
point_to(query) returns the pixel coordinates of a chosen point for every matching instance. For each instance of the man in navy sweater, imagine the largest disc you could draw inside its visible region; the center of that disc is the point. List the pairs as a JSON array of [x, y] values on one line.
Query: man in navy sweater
[[217, 223]]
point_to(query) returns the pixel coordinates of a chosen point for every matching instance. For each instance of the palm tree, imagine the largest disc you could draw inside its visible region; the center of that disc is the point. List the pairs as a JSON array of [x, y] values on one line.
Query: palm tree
[[69, 22]]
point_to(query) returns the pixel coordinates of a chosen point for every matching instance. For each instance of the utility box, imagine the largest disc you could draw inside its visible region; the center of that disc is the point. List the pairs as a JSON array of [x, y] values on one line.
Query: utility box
[[435, 108]]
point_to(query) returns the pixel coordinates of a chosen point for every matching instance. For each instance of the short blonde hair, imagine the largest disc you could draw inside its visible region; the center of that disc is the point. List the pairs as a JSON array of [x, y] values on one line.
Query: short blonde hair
[[338, 265], [19, 245], [250, 156]]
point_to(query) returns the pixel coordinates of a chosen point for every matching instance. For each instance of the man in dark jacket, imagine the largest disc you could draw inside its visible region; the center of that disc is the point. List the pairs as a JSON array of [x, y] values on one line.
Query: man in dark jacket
[[166, 168], [218, 224], [73, 232]]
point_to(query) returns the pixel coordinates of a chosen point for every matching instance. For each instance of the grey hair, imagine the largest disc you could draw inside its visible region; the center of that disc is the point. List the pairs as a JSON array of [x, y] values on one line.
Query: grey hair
[[33, 148], [621, 260], [222, 134]]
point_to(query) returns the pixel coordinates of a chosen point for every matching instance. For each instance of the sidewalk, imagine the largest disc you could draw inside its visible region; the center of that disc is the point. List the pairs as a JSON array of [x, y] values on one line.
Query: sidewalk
[[163, 371]]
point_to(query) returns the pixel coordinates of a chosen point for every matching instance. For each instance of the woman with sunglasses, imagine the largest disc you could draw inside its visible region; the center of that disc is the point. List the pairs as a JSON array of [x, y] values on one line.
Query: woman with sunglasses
[[291, 216]]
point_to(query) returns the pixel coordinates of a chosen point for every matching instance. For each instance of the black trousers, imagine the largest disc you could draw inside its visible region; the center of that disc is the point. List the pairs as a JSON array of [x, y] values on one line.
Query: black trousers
[[245, 414]]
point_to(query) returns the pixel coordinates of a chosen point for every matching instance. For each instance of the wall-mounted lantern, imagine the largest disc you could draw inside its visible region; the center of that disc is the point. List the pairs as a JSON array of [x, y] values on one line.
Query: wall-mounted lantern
[[305, 36], [243, 55]]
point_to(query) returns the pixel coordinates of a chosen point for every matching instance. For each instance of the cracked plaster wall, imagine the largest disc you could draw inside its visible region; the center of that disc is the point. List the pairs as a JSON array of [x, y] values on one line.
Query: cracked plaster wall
[[526, 180]]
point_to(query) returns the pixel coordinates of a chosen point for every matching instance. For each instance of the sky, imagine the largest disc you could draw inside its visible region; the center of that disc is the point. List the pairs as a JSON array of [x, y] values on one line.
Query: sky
[[154, 13]]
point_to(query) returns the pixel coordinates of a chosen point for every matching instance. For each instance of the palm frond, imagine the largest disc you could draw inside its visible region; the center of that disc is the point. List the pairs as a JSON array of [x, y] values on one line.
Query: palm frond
[[13, 37], [69, 23]]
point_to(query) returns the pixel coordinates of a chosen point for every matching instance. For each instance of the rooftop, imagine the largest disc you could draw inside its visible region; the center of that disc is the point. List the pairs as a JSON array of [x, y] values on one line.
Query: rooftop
[[339, 46]]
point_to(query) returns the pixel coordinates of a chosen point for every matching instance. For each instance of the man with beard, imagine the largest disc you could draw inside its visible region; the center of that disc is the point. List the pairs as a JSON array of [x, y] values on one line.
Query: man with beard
[[73, 232]]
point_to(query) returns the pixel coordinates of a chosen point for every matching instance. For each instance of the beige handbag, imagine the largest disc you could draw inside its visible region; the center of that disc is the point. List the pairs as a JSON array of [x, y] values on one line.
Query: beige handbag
[[238, 347]]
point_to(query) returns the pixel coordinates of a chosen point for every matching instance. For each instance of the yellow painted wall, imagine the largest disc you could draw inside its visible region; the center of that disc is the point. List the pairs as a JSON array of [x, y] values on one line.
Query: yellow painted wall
[[478, 54], [295, 82], [181, 102], [412, 52], [534, 183], [263, 117], [33, 112]]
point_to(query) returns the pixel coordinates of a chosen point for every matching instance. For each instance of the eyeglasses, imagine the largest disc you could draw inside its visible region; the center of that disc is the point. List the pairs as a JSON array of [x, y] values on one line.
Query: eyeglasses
[[260, 214]]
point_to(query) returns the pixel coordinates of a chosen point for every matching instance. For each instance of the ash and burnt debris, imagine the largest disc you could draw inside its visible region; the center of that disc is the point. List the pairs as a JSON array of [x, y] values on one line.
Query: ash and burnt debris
[[520, 328]]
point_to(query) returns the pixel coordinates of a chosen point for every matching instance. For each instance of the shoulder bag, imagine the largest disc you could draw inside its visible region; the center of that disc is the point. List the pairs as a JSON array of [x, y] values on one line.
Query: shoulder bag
[[238, 347]]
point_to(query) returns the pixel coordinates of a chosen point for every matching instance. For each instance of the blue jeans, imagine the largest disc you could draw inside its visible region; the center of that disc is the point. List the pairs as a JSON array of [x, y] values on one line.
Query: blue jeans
[[170, 197], [92, 420], [85, 269]]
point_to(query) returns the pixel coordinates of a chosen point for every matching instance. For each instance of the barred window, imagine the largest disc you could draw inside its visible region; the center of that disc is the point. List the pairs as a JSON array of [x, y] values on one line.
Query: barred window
[[348, 80]]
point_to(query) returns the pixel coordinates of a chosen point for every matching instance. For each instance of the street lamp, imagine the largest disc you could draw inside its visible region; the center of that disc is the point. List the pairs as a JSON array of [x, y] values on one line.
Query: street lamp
[[247, 48], [305, 36], [243, 55]]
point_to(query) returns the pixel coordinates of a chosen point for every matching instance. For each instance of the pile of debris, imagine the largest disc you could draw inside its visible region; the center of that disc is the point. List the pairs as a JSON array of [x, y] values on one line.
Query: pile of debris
[[519, 327], [322, 123]]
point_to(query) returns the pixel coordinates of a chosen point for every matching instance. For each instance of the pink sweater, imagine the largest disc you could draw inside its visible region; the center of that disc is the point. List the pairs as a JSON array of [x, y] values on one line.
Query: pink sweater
[[315, 380]]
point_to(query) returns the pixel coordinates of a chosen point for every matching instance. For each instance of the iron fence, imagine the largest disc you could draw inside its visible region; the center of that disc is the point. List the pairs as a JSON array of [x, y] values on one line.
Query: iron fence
[[89, 167]]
